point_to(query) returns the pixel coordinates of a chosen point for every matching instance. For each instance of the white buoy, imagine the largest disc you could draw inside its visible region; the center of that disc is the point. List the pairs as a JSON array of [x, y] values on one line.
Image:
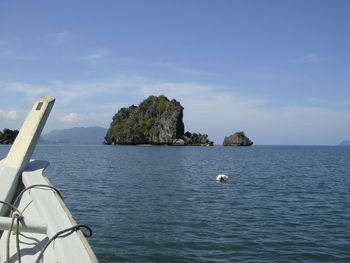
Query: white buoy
[[221, 178]]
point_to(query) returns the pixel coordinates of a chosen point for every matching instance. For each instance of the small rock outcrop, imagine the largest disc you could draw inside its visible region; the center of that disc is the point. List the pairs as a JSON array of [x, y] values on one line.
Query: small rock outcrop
[[237, 139], [155, 121], [193, 139]]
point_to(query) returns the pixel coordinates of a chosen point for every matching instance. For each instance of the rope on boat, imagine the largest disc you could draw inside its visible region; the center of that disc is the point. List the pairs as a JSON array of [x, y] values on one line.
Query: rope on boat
[[73, 228], [14, 217], [11, 206], [18, 216], [18, 198]]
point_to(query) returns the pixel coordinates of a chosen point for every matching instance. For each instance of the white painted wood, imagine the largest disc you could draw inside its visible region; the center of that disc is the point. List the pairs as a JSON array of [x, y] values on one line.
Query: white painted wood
[[31, 225], [22, 149], [8, 185]]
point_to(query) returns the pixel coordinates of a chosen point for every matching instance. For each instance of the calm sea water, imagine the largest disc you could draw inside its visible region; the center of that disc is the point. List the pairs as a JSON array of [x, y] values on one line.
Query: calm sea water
[[162, 204]]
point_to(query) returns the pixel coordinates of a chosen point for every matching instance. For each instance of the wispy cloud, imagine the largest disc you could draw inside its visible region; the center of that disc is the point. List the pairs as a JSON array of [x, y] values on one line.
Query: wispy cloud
[[9, 115], [67, 93], [7, 54], [310, 58], [60, 37], [3, 43], [208, 109], [98, 54], [173, 89], [70, 117], [28, 89]]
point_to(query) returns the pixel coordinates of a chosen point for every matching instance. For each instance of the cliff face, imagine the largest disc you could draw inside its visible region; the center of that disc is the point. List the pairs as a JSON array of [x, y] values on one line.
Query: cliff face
[[155, 121], [237, 139]]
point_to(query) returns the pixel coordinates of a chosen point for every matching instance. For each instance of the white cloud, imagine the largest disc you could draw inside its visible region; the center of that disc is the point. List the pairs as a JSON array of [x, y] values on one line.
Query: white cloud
[[222, 115], [70, 117], [208, 109], [7, 54], [67, 93], [173, 89], [29, 89], [95, 55], [300, 125], [9, 115], [310, 58]]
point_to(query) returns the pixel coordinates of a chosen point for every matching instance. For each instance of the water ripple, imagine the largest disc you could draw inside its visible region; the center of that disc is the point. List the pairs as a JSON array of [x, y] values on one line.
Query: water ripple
[[162, 204]]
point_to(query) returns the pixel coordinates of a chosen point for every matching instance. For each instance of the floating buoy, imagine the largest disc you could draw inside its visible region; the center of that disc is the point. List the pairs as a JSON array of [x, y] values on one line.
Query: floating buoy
[[221, 178]]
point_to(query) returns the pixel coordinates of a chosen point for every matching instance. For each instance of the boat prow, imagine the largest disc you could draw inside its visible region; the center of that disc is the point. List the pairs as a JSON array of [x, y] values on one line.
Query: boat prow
[[35, 224]]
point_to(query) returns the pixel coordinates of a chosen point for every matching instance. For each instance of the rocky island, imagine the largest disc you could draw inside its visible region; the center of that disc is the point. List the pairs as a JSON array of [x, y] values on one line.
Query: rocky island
[[156, 121], [237, 139]]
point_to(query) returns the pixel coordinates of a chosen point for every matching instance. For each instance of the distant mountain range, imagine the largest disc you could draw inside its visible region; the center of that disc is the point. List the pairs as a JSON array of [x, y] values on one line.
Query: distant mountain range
[[345, 143], [79, 135]]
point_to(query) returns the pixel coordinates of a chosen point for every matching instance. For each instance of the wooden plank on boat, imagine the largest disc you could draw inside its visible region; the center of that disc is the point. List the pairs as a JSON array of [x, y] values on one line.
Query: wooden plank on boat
[[22, 149]]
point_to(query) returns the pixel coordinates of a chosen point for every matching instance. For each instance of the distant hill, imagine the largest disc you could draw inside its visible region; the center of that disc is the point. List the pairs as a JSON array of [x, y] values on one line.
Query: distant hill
[[345, 143], [81, 135]]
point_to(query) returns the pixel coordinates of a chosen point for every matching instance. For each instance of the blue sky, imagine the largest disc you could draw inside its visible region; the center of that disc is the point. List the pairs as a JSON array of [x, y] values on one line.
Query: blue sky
[[279, 70]]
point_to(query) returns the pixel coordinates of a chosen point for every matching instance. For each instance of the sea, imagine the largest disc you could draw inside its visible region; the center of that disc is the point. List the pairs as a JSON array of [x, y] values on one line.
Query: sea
[[163, 204]]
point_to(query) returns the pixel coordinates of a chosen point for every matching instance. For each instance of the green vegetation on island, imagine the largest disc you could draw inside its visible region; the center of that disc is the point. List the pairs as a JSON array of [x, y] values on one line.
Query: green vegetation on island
[[237, 139], [137, 124], [8, 136], [156, 120]]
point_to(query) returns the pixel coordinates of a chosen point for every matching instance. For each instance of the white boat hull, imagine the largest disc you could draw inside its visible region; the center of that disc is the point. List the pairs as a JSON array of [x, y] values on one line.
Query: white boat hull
[[47, 231]]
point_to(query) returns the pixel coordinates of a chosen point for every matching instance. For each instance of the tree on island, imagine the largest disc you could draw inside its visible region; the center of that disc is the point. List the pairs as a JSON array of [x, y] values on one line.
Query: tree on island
[[8, 136], [156, 120]]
